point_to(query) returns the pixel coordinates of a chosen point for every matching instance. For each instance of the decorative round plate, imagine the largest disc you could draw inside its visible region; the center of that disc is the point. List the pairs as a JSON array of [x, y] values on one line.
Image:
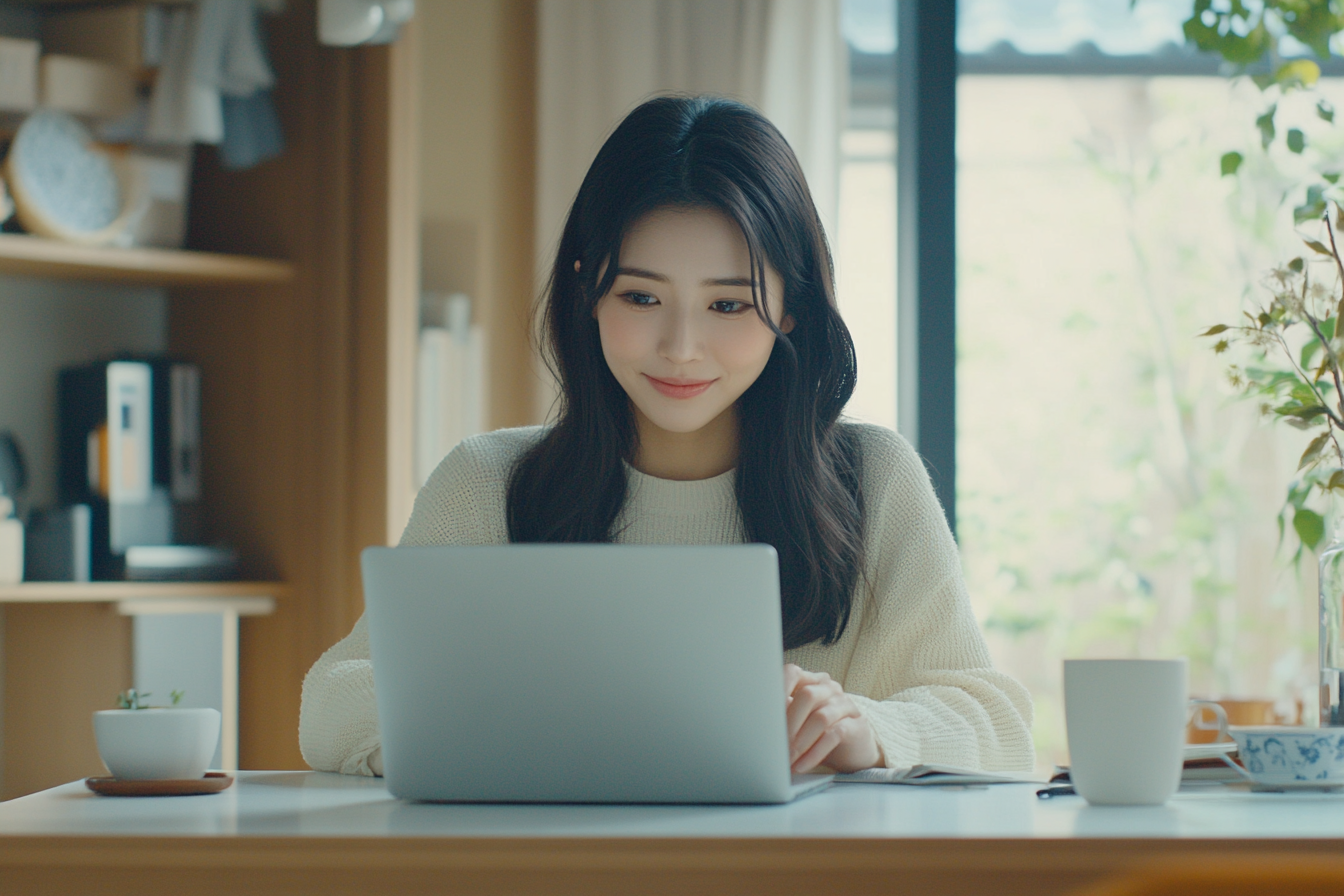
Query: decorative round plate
[[213, 782], [67, 187]]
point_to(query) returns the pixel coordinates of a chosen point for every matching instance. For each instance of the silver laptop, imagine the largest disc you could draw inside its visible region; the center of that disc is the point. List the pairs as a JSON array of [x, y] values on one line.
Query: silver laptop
[[580, 673]]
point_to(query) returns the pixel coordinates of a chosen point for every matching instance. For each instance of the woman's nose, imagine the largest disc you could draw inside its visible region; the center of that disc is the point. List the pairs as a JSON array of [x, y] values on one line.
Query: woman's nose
[[681, 340]]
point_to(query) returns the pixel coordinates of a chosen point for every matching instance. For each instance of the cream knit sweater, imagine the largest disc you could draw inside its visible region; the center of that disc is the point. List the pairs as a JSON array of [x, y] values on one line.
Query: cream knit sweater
[[912, 656]]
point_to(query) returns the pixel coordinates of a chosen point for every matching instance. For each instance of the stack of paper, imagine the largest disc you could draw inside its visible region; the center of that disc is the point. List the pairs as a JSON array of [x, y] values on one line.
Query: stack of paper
[[934, 775], [1204, 762]]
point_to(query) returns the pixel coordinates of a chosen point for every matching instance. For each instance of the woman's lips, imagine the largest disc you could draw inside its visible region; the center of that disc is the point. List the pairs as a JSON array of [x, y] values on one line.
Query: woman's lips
[[678, 388]]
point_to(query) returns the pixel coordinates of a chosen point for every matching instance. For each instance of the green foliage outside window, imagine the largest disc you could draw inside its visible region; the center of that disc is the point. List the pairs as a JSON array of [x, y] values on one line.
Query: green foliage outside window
[[1294, 368]]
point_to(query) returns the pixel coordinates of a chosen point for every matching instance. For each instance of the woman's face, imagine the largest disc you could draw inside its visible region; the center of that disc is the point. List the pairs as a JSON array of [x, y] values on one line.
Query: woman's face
[[679, 328]]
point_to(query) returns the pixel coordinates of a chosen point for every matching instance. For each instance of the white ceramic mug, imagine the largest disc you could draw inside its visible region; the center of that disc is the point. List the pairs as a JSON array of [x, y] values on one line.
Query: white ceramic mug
[[157, 744], [1198, 721], [1126, 726]]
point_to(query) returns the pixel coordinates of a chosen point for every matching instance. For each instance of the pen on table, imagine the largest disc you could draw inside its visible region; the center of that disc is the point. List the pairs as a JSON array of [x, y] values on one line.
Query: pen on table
[[1046, 793]]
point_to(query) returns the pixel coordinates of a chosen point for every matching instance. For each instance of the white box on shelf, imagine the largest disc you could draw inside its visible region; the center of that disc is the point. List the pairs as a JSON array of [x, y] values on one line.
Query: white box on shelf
[[86, 86], [18, 74], [129, 35], [164, 173]]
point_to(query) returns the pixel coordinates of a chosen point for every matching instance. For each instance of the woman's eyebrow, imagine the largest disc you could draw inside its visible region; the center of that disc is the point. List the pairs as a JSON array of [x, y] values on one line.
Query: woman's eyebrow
[[640, 272], [663, 278]]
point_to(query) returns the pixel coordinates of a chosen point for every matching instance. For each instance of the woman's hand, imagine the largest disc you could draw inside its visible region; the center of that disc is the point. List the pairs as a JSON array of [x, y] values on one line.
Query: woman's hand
[[825, 726]]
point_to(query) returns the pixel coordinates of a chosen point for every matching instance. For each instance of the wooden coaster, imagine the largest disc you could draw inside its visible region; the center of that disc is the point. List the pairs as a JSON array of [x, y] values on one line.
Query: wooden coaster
[[213, 782]]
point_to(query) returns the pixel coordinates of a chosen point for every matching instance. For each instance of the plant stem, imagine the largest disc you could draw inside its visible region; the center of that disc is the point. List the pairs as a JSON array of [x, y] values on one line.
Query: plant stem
[[1334, 250], [1334, 366], [1325, 343], [1335, 441], [1288, 353]]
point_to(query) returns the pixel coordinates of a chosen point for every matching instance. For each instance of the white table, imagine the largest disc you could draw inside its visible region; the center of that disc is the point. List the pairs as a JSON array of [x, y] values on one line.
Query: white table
[[311, 832]]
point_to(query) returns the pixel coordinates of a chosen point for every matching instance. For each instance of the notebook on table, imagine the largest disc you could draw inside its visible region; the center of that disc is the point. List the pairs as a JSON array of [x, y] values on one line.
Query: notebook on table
[[931, 775], [580, 673]]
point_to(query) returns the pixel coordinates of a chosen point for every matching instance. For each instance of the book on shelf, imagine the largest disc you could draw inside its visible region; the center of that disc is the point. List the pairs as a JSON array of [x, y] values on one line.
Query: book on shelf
[[129, 449], [58, 544]]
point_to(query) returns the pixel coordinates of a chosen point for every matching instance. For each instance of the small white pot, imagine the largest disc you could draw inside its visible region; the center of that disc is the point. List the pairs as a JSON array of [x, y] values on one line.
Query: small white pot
[[157, 744]]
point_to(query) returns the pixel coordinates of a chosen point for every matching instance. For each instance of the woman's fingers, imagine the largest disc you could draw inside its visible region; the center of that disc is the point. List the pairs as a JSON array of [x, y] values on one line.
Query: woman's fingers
[[817, 753], [806, 698], [792, 675], [822, 719], [825, 726], [855, 748]]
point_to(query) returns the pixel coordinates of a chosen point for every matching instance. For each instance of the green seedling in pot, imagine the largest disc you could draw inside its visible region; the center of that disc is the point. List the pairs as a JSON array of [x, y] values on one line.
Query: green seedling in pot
[[133, 699]]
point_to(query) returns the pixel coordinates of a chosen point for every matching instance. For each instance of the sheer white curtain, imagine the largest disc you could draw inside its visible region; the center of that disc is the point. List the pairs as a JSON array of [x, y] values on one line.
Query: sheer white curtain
[[598, 59]]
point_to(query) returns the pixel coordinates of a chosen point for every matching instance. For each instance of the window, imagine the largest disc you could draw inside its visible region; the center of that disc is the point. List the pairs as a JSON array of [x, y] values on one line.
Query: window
[[1114, 495], [1115, 498], [865, 241]]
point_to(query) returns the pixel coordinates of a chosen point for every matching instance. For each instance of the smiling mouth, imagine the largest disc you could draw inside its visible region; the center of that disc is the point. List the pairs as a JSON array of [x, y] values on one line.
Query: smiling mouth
[[680, 388]]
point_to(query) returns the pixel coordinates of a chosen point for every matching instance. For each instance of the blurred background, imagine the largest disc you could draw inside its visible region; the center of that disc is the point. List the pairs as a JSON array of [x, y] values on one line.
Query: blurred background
[[342, 228]]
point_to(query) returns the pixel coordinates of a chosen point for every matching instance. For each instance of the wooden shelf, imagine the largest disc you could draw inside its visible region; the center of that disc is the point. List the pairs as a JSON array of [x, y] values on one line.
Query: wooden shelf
[[116, 592], [33, 256]]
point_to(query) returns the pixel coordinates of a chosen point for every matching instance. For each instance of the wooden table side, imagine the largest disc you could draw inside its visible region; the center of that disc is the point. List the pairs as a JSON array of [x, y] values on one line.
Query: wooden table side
[[775, 866]]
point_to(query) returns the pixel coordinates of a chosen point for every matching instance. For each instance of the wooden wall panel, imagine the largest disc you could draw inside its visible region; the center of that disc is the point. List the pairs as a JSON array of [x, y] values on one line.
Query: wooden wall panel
[[478, 130], [386, 277], [514, 368], [401, 196], [61, 663], [294, 457]]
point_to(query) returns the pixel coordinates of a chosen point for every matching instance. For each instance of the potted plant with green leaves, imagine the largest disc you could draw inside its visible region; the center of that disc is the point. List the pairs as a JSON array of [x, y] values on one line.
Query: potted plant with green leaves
[[1295, 373], [1296, 337], [142, 742]]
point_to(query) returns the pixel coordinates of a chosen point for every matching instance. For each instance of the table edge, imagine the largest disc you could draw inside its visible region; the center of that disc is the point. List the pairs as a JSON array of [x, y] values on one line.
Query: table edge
[[628, 854]]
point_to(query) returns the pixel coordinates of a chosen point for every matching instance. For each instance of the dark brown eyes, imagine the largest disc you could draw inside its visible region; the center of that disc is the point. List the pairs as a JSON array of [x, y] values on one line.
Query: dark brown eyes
[[722, 306], [729, 306]]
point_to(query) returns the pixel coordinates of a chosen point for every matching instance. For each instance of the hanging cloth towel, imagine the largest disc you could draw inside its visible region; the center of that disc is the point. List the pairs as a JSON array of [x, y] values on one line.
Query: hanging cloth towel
[[178, 110], [214, 73], [251, 131], [236, 63], [251, 127]]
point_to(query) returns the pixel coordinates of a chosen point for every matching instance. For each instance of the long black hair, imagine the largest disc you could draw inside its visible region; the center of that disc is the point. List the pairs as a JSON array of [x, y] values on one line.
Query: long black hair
[[798, 475]]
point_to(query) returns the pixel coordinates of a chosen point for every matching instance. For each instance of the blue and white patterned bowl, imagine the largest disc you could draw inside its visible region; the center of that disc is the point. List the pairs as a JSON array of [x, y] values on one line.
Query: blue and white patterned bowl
[[1274, 754]]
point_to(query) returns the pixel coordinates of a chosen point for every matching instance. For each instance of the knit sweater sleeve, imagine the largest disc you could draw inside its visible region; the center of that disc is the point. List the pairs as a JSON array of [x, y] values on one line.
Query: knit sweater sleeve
[[463, 504], [921, 671]]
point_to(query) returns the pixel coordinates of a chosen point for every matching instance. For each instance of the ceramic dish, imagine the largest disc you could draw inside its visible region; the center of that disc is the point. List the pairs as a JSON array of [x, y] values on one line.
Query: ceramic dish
[[67, 187], [1278, 756], [213, 782]]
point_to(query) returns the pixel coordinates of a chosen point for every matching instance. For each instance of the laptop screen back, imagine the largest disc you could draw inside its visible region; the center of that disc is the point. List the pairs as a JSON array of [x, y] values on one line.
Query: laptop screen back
[[579, 673]]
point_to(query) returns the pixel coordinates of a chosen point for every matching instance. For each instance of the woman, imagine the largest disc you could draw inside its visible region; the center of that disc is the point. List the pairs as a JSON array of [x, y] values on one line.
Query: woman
[[691, 322]]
